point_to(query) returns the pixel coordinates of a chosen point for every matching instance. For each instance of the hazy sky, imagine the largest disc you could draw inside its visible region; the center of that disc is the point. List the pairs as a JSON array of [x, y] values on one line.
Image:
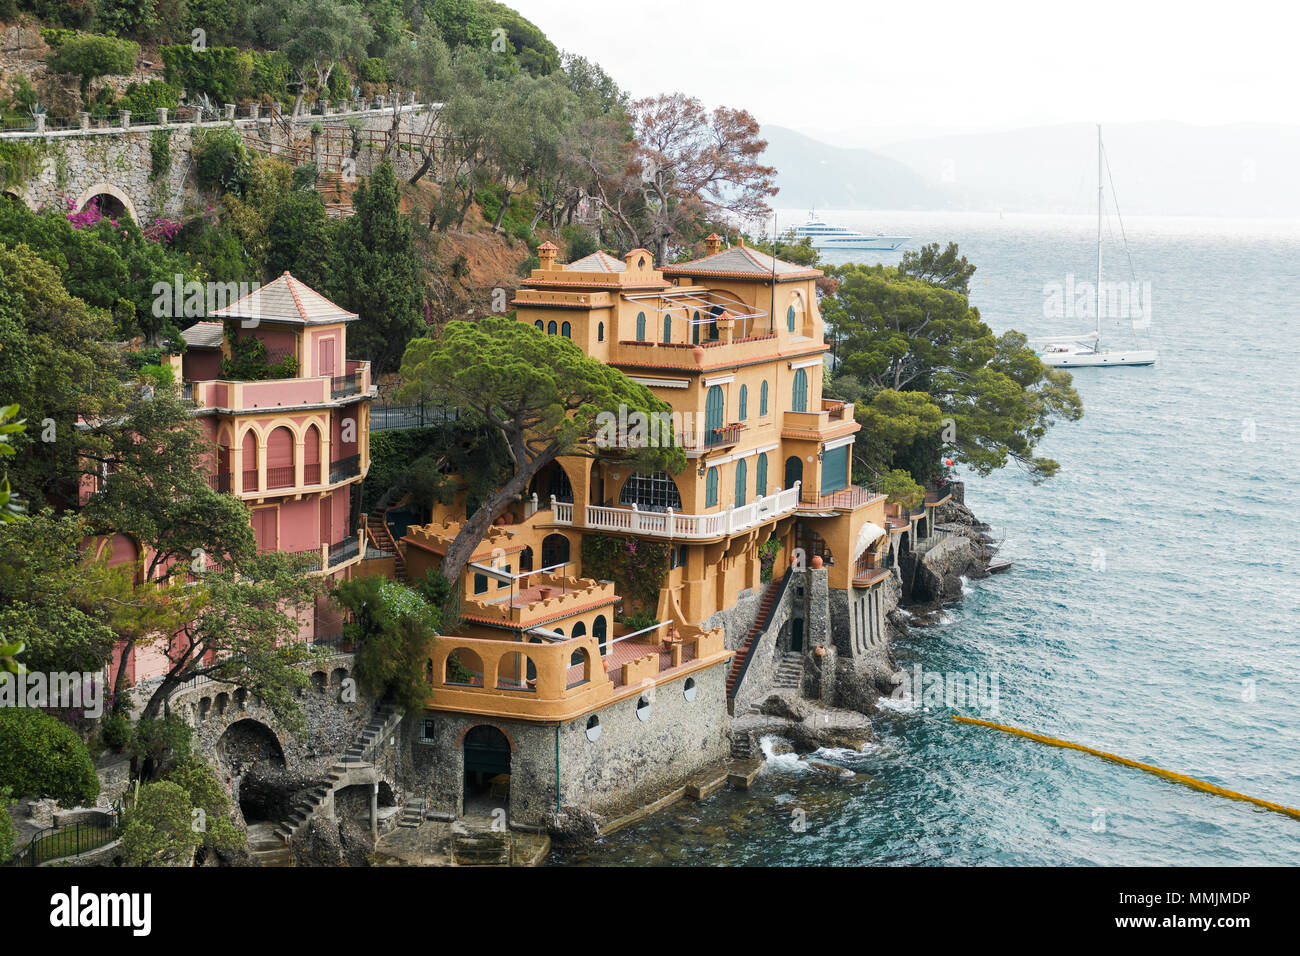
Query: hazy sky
[[859, 73]]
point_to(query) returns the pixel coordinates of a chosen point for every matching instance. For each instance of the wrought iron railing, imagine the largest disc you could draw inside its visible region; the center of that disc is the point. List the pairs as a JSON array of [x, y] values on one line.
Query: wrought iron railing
[[344, 468], [224, 481], [55, 843], [343, 385]]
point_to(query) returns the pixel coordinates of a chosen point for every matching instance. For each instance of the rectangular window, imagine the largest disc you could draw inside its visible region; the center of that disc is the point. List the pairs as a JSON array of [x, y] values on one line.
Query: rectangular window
[[480, 583], [427, 730]]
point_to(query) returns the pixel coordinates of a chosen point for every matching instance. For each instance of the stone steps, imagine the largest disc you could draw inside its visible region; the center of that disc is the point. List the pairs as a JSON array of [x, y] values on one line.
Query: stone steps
[[307, 806], [789, 672], [761, 621], [481, 848]]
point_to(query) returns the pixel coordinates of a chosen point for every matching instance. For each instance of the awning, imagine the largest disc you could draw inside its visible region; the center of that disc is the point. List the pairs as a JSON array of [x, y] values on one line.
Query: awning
[[866, 538]]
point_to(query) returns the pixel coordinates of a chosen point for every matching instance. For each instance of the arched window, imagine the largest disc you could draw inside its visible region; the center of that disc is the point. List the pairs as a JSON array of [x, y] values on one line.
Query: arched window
[[714, 406], [600, 332], [668, 327], [711, 488], [279, 458], [551, 328], [789, 318], [653, 491], [539, 326], [799, 402], [760, 476], [741, 480], [716, 311], [579, 629], [640, 326], [695, 329], [598, 631], [762, 400], [555, 550], [566, 330], [744, 404]]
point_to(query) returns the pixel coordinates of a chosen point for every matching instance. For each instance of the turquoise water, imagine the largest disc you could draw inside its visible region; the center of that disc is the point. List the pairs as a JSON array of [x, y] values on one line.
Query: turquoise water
[[1155, 586]]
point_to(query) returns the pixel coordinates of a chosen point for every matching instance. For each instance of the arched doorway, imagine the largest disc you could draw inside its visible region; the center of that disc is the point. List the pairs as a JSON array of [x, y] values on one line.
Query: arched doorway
[[487, 771], [793, 470], [555, 550]]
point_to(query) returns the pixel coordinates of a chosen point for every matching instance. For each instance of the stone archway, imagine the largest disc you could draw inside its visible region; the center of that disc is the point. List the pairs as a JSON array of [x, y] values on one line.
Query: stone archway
[[253, 758], [116, 201]]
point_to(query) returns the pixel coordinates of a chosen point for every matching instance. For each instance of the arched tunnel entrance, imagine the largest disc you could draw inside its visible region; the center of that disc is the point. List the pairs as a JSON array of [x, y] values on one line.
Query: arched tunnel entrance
[[252, 756]]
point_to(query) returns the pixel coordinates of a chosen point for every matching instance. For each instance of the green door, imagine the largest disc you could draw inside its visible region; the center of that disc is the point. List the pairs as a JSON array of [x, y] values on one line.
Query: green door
[[713, 409]]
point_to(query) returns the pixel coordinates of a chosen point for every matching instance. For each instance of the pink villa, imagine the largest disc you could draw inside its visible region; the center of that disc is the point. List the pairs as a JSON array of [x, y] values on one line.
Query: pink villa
[[294, 448]]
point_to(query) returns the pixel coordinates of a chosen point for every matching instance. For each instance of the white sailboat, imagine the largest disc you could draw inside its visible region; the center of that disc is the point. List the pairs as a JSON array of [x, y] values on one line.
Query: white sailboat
[[1086, 350]]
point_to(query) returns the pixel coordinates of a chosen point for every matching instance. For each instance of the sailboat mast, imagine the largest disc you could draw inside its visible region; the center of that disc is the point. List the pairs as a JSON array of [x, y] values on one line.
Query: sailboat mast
[[1099, 211]]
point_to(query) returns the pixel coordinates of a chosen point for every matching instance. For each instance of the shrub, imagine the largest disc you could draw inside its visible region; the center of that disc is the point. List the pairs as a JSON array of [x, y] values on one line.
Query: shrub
[[143, 99], [88, 56], [159, 830], [158, 743], [43, 757], [115, 731], [222, 72], [373, 70], [220, 160], [6, 827]]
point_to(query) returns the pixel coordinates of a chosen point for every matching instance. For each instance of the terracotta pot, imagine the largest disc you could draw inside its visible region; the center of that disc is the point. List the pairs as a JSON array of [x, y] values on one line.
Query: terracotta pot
[[546, 592], [820, 651], [817, 561]]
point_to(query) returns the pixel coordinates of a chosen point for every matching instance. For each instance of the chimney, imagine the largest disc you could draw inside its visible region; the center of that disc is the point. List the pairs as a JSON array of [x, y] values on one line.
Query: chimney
[[712, 243], [546, 254]]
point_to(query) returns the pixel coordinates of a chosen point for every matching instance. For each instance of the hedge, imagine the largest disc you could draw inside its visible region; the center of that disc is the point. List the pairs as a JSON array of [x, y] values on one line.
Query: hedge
[[43, 757]]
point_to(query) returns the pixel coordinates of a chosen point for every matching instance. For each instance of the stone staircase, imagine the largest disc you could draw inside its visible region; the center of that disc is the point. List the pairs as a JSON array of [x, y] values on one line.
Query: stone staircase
[[384, 722], [382, 538], [760, 625], [789, 672], [741, 749], [266, 848], [412, 814], [478, 847]]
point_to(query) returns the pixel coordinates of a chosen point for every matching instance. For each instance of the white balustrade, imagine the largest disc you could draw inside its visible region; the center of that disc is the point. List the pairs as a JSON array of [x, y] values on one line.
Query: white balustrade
[[670, 524]]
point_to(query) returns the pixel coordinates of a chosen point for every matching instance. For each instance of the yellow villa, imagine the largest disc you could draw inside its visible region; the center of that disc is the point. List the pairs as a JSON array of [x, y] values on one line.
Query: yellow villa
[[545, 699]]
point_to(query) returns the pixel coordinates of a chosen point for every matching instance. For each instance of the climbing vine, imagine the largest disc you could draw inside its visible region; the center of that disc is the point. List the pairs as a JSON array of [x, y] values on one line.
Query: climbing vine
[[160, 154], [18, 161], [767, 557], [637, 567]]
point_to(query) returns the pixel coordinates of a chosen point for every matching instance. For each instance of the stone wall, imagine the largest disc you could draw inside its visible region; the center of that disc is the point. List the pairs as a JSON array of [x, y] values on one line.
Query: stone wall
[[78, 164], [629, 764]]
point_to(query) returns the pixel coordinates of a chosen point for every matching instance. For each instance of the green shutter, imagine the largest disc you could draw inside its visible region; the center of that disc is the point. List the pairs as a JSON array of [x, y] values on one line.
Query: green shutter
[[835, 469]]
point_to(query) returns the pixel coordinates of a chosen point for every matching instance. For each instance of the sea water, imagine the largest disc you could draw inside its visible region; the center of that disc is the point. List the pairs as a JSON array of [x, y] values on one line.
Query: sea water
[[1151, 611]]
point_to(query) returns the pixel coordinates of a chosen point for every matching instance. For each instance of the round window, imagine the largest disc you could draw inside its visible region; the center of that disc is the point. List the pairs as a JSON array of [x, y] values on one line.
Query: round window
[[642, 709], [593, 727], [688, 689]]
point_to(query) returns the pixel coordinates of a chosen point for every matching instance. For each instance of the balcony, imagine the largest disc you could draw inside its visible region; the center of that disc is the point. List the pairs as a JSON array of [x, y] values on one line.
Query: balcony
[[538, 598], [854, 496], [327, 558], [345, 468], [833, 419], [282, 394], [669, 524], [222, 482], [564, 679]]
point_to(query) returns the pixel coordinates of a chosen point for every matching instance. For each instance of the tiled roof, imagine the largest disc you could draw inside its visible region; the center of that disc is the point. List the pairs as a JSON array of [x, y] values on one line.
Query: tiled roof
[[741, 261], [286, 300], [597, 262], [203, 335]]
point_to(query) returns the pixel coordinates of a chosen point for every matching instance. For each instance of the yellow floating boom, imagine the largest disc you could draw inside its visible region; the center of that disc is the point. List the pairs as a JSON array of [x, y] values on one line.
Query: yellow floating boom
[[1185, 780]]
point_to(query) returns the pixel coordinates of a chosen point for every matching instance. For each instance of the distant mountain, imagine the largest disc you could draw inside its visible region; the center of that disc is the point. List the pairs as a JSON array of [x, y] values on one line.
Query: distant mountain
[[815, 175], [1165, 168], [1158, 168]]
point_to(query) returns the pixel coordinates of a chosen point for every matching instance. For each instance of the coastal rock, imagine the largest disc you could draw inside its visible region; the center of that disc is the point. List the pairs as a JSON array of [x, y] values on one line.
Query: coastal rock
[[938, 573], [573, 826], [859, 687], [786, 706]]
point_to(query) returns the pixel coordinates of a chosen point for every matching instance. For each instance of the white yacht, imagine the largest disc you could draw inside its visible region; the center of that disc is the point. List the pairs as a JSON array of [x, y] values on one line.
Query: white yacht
[[1086, 350], [825, 236]]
